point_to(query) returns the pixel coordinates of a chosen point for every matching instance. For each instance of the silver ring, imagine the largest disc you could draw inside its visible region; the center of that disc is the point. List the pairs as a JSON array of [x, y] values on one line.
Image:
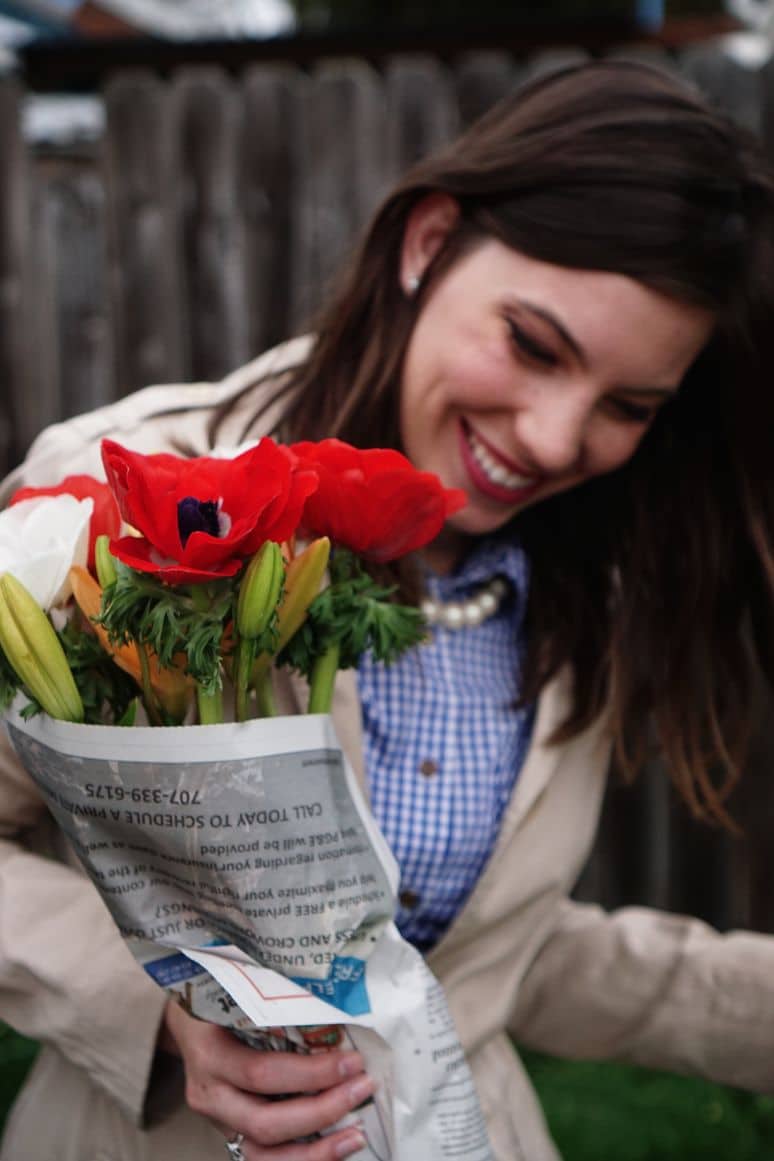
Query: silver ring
[[234, 1147]]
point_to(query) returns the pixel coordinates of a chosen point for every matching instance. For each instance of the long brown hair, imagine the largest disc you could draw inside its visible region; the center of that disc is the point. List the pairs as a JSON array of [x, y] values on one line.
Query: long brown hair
[[655, 582]]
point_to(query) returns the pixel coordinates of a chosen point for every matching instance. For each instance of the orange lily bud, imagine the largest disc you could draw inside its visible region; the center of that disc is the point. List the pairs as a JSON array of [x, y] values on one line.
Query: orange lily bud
[[172, 687]]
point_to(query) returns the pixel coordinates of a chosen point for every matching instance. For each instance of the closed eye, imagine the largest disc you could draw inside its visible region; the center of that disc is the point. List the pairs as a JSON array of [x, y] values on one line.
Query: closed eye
[[632, 412], [529, 346]]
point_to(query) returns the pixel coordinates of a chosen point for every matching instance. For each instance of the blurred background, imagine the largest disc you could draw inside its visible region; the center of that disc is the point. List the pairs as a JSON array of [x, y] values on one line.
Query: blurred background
[[178, 19], [187, 19], [181, 180]]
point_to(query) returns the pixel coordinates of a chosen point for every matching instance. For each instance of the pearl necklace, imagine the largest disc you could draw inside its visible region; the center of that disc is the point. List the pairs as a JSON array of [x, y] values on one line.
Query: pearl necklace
[[462, 614]]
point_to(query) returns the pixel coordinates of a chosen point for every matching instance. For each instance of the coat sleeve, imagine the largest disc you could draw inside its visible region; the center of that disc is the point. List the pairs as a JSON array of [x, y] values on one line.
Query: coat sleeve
[[66, 976], [652, 988]]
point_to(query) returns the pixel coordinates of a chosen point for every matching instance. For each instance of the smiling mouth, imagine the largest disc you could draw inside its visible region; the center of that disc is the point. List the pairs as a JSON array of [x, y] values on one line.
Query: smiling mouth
[[490, 473]]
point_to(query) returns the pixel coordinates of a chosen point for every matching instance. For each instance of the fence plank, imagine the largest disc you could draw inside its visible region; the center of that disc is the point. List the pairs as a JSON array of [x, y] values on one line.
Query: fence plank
[[552, 60], [15, 419], [75, 229], [727, 80], [144, 261], [422, 110], [42, 400], [206, 127], [767, 105], [339, 148], [482, 79], [268, 183], [647, 54], [749, 870], [631, 860]]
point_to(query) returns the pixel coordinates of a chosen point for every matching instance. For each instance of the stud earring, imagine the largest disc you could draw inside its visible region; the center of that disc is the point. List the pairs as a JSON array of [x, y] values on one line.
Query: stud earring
[[413, 283]]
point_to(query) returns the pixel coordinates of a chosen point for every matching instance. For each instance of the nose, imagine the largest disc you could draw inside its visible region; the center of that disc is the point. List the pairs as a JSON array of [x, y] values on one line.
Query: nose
[[551, 428]]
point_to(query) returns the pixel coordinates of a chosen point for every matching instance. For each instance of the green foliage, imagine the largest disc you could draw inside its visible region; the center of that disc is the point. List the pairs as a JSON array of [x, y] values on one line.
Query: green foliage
[[9, 682], [603, 1110], [100, 682], [171, 621], [17, 1054], [356, 614]]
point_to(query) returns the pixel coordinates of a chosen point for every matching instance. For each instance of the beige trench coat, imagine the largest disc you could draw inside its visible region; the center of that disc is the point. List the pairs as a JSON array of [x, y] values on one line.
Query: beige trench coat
[[520, 958]]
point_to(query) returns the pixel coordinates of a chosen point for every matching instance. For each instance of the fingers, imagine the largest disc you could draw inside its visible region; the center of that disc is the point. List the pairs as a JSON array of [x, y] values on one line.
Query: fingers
[[279, 1073], [213, 1055], [233, 1085], [331, 1148], [268, 1123]]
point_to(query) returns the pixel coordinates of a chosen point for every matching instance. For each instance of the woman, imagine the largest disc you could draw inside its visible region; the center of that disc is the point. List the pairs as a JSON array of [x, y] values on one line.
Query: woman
[[568, 315]]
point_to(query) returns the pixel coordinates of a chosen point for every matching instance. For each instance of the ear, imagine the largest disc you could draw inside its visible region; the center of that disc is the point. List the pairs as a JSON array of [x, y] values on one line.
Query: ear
[[427, 228]]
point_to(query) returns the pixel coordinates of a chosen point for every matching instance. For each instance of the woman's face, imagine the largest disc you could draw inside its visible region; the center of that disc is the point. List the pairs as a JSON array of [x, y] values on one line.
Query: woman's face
[[523, 379]]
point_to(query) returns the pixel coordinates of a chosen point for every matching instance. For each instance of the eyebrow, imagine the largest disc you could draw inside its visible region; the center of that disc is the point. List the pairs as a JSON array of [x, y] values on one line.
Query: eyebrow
[[578, 351]]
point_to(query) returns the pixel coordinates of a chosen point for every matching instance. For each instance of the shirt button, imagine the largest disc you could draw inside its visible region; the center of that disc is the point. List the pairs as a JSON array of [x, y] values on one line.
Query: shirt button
[[428, 768], [408, 899]]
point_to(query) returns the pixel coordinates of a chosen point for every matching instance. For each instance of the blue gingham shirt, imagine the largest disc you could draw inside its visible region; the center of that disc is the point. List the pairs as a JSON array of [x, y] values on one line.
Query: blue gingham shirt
[[444, 743]]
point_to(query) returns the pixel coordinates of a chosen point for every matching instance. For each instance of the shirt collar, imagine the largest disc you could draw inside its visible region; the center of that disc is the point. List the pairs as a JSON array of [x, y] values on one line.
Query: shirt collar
[[489, 558]]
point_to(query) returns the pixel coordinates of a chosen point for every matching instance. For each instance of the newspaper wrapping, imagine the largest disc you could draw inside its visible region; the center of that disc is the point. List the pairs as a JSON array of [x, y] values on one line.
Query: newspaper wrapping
[[244, 869]]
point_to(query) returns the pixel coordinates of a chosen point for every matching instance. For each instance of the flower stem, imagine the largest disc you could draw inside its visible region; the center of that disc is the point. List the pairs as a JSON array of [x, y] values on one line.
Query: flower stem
[[200, 598], [267, 707], [148, 696], [323, 677], [210, 706], [244, 655]]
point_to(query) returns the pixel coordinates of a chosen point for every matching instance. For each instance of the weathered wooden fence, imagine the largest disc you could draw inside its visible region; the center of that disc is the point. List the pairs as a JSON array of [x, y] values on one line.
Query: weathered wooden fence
[[202, 227]]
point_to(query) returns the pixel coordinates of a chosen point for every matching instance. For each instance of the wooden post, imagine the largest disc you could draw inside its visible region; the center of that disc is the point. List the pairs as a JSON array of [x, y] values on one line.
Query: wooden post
[[726, 80], [340, 160], [16, 420], [421, 108], [268, 193], [72, 218], [205, 122], [767, 106], [144, 270], [482, 79]]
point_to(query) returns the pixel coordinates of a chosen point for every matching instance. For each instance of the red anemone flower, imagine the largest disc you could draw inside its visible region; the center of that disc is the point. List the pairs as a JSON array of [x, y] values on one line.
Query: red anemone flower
[[105, 518], [201, 518], [374, 502]]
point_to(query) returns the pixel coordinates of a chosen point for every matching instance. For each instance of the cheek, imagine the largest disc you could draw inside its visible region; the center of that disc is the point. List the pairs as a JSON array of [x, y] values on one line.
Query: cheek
[[612, 447], [481, 386]]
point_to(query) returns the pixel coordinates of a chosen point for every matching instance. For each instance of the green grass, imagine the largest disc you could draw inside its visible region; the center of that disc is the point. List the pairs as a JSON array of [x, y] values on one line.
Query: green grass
[[16, 1056], [597, 1112], [612, 1112]]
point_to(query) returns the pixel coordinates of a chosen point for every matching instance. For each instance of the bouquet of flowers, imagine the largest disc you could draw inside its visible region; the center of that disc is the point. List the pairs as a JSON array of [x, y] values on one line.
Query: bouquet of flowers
[[231, 842]]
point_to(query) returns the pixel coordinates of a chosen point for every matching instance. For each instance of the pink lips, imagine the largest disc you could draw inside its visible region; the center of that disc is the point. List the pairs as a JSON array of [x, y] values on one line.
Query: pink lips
[[482, 482]]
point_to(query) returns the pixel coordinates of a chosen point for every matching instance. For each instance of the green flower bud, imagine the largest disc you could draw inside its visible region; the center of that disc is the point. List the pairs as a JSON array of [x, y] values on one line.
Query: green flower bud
[[259, 591], [104, 561], [35, 653]]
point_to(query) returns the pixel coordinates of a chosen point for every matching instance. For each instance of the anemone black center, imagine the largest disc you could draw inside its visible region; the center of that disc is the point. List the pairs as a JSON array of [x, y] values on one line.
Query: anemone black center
[[197, 516]]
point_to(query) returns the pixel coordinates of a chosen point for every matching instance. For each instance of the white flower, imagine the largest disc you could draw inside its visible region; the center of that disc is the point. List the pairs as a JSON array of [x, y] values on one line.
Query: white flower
[[40, 539]]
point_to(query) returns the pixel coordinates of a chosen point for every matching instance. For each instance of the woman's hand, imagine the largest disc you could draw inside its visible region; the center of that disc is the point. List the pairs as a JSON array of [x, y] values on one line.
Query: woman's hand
[[229, 1083]]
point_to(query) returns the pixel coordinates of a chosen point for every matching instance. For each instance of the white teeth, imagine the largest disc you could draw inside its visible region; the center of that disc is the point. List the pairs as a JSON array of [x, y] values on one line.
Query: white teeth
[[493, 470]]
